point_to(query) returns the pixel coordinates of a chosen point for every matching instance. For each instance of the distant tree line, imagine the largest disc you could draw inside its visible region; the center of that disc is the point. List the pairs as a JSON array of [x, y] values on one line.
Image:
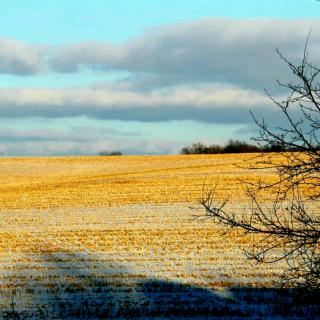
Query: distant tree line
[[233, 146], [110, 153]]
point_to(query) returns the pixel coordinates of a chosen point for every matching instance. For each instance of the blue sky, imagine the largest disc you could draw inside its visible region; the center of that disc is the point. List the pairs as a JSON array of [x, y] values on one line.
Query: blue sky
[[64, 21], [79, 77]]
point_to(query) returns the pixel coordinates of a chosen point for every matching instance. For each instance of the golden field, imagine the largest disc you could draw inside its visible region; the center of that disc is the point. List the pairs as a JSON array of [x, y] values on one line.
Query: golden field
[[42, 183], [107, 232]]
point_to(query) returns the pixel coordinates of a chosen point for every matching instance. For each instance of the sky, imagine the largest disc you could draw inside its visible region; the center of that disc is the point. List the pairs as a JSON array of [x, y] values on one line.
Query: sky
[[79, 77]]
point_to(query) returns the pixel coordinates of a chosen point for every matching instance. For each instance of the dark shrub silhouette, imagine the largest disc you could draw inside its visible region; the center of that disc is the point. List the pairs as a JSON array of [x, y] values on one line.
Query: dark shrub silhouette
[[233, 146], [110, 153], [236, 146]]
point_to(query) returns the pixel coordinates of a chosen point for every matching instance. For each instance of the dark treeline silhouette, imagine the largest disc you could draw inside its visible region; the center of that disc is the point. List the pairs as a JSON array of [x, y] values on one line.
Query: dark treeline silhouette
[[110, 153], [233, 146]]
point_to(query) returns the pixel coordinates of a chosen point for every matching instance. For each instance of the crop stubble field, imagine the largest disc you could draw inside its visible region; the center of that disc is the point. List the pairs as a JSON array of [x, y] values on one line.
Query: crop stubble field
[[116, 237]]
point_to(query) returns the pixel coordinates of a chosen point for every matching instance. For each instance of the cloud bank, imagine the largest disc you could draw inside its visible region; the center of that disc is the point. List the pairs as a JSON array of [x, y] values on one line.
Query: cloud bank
[[80, 141], [240, 52], [211, 70], [203, 103]]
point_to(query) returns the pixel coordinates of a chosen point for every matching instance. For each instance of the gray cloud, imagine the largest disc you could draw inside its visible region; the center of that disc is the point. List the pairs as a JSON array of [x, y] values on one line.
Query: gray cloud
[[241, 52], [80, 141], [89, 54], [210, 70], [75, 134], [19, 58], [208, 103]]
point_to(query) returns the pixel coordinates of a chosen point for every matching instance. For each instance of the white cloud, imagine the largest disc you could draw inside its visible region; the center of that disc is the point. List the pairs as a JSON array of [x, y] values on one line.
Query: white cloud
[[19, 58], [205, 102]]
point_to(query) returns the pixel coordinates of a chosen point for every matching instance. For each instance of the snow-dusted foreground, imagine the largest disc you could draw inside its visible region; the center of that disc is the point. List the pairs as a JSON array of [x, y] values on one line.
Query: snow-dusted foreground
[[135, 261]]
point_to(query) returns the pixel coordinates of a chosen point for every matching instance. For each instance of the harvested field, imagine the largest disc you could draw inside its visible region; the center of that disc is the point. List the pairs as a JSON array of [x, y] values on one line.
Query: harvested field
[[42, 183], [104, 237]]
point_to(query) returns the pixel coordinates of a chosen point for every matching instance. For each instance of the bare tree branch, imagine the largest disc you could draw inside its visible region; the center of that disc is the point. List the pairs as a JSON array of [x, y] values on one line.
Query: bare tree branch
[[289, 228]]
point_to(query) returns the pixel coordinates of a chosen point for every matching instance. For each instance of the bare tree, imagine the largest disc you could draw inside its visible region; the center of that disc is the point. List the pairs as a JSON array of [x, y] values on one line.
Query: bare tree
[[289, 229]]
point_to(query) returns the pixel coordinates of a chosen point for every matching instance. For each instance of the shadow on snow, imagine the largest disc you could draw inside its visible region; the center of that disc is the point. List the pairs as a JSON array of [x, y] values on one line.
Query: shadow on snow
[[80, 286]]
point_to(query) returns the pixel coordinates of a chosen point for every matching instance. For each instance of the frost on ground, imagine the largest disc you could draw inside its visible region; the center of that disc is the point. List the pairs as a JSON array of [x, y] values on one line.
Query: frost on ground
[[135, 261]]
